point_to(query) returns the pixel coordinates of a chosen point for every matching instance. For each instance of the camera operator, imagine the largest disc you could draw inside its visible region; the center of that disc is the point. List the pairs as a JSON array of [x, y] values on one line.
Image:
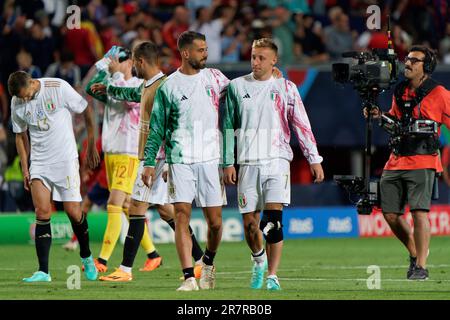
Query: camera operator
[[409, 174]]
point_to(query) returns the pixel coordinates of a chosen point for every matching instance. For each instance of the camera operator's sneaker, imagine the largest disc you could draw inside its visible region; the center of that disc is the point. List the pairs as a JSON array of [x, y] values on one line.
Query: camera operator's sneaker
[[208, 277], [190, 284], [419, 273], [257, 279], [412, 266]]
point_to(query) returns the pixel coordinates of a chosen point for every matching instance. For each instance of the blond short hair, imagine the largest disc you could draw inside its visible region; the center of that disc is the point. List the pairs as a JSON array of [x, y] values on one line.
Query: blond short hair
[[265, 43]]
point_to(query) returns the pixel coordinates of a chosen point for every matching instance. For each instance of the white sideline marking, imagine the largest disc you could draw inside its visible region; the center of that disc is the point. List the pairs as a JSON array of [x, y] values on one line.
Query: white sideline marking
[[436, 266], [343, 279]]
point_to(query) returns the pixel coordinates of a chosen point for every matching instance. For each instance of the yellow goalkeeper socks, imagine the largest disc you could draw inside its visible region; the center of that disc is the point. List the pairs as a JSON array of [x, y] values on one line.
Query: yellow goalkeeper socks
[[112, 231], [146, 242]]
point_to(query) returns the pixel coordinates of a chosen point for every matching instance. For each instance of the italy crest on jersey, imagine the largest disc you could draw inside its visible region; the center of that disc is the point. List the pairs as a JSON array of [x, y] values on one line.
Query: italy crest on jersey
[[50, 106], [242, 200], [209, 91], [273, 95]]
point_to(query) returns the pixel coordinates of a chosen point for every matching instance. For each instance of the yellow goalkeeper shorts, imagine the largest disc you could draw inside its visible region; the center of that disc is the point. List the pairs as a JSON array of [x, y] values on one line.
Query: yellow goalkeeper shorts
[[121, 170]]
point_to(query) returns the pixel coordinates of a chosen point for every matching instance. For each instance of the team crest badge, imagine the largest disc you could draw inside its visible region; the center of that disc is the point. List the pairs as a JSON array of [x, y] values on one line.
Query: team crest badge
[[274, 94], [209, 91], [40, 113], [50, 106], [242, 200]]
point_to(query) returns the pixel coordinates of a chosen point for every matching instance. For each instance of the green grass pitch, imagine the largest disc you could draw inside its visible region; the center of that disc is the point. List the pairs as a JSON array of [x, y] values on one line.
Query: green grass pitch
[[310, 269]]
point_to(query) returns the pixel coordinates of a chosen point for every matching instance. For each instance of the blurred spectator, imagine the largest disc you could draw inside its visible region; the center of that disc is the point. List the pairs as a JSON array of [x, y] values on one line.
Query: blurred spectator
[[402, 41], [40, 46], [231, 44], [372, 39], [118, 21], [194, 5], [295, 6], [29, 7], [420, 18], [56, 10], [4, 110], [25, 63], [148, 33], [212, 28], [85, 44], [11, 38], [174, 27], [308, 40], [109, 37], [283, 34], [378, 39], [338, 37], [97, 11], [3, 161], [65, 69], [444, 46]]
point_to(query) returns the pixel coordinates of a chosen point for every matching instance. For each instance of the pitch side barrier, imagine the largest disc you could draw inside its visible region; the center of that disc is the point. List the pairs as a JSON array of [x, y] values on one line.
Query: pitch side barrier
[[298, 223]]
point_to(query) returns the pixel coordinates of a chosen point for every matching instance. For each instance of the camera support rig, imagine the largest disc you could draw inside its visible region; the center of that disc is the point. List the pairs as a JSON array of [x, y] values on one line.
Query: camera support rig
[[362, 186], [374, 73]]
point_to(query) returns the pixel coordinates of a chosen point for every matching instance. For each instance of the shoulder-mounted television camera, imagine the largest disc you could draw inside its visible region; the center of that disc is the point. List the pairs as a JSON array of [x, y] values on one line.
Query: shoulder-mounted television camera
[[375, 70]]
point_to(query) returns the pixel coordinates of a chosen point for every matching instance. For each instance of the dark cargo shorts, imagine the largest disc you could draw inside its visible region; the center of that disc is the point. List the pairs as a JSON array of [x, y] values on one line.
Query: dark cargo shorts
[[399, 187]]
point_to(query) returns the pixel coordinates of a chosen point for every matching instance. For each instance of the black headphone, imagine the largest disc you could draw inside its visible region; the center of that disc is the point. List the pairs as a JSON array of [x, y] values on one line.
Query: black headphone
[[430, 62]]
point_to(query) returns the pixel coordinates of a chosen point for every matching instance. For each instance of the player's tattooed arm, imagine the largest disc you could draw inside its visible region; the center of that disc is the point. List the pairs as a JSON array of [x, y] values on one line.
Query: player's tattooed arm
[[23, 149], [92, 157]]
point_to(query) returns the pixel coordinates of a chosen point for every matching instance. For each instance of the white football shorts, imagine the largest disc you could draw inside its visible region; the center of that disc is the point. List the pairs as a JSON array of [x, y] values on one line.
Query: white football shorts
[[200, 181], [261, 184], [158, 192], [62, 179]]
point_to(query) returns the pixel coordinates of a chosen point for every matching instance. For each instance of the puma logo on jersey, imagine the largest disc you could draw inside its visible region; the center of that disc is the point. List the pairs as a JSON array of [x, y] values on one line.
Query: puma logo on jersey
[[183, 98], [247, 96]]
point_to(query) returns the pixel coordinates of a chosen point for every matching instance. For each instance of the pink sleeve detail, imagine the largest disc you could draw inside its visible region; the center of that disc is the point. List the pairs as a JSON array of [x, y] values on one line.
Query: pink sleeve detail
[[301, 125]]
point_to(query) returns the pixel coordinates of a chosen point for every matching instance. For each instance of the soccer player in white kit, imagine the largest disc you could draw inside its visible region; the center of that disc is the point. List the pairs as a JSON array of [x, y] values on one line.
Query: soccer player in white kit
[[146, 64], [43, 108], [186, 115], [260, 108], [120, 145]]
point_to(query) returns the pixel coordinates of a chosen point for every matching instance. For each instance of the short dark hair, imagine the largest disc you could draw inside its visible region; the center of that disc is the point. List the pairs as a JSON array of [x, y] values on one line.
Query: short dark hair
[[17, 81], [148, 51], [265, 43], [188, 37], [429, 63]]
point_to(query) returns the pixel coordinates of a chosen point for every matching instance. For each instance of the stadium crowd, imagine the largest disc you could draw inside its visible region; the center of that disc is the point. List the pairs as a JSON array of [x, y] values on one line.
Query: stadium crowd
[[35, 37]]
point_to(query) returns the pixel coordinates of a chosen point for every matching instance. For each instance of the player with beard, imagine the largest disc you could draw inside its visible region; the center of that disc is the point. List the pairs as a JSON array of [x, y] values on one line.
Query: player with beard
[[146, 65], [186, 116]]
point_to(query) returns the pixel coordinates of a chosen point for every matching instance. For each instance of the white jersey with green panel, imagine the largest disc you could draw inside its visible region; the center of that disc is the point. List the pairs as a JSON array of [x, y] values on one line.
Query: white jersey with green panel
[[261, 112], [186, 115]]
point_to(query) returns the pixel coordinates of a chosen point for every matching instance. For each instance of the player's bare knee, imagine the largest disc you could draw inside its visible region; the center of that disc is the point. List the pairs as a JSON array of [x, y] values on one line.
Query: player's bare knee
[[43, 213], [165, 213], [215, 225], [182, 218], [251, 226]]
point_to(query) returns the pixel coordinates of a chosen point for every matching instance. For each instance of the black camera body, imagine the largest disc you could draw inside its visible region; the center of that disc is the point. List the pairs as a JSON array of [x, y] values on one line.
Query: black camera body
[[375, 70]]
